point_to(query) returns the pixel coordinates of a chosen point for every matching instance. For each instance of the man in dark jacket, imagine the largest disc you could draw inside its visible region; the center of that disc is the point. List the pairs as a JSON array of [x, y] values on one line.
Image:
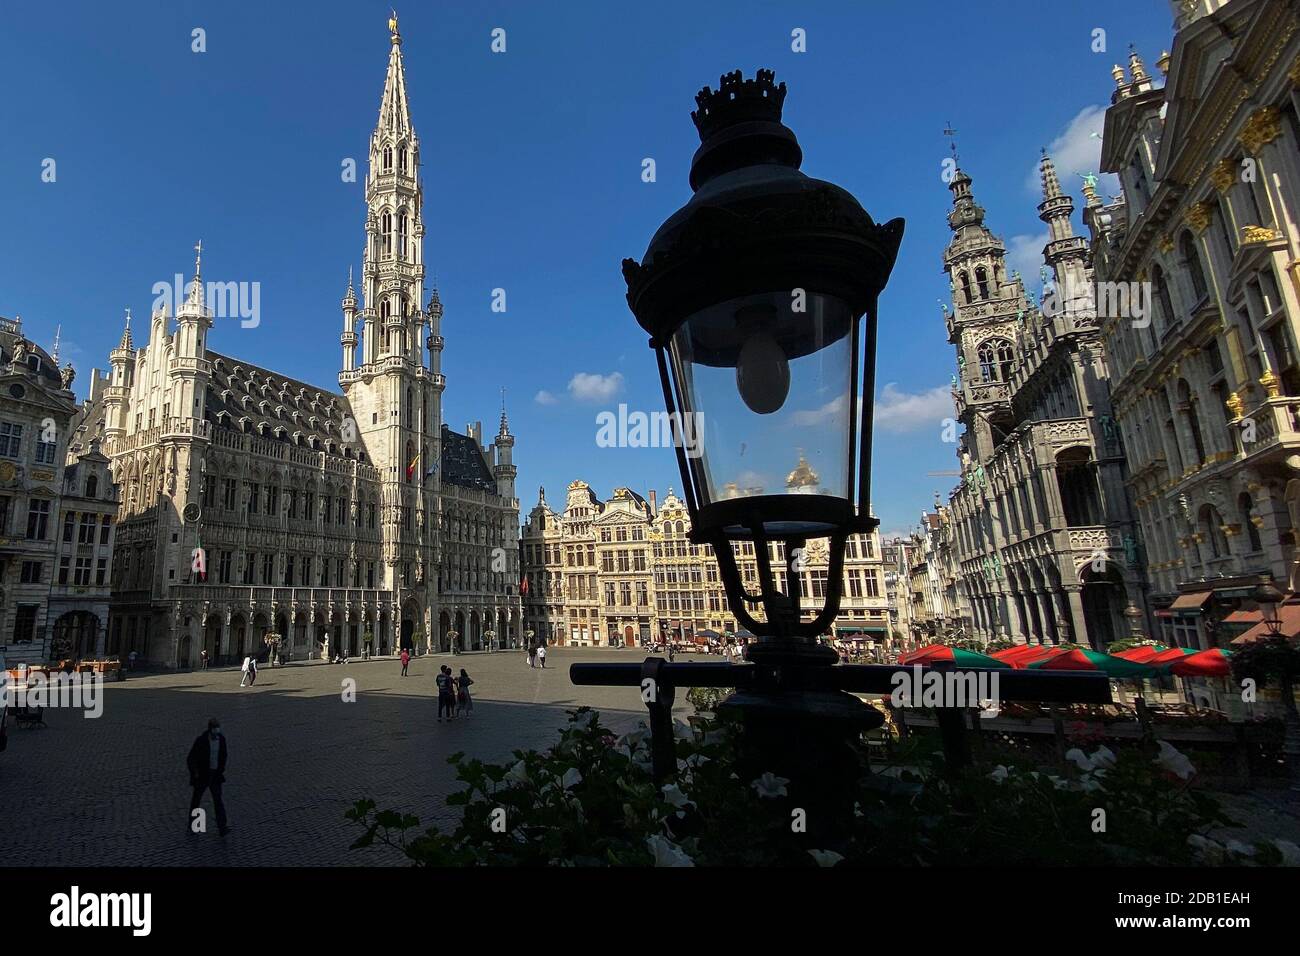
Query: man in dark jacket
[[207, 766]]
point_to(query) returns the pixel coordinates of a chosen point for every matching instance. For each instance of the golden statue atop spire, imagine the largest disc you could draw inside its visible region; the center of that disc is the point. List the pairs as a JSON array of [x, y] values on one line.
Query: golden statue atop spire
[[392, 26], [803, 480]]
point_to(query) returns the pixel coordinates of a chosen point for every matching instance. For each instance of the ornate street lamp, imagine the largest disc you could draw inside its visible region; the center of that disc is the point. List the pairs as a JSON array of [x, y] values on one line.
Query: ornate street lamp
[[760, 299], [1269, 600]]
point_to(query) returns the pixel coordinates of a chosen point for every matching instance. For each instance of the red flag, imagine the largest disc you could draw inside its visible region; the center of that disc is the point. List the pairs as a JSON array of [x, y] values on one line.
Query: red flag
[[523, 584]]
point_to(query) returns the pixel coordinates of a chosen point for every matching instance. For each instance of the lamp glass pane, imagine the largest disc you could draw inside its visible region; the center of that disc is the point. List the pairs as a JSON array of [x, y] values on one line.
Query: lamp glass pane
[[766, 380]]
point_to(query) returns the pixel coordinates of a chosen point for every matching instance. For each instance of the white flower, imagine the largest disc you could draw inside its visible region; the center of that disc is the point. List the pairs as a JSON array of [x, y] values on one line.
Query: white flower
[[1077, 757], [1207, 850], [1060, 783], [572, 777], [1290, 852], [770, 786], [673, 794], [518, 773], [682, 731], [826, 857], [585, 720], [1173, 761], [1103, 757], [667, 853], [999, 774]]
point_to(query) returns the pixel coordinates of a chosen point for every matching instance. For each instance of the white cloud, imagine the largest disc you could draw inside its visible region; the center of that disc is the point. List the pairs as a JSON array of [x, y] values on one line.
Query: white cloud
[[899, 411], [593, 387], [832, 410], [545, 398], [1076, 151], [1025, 255]]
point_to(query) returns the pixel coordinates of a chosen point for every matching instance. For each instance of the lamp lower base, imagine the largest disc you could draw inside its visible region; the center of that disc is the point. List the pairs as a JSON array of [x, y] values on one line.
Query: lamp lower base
[[807, 737]]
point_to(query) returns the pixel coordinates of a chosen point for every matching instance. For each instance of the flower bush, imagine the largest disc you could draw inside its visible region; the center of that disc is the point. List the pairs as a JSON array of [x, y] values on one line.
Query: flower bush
[[590, 800]]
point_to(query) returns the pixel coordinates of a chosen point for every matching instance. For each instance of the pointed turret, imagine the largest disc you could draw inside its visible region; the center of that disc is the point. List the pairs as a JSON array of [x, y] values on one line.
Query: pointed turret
[[1065, 253], [394, 110], [349, 337]]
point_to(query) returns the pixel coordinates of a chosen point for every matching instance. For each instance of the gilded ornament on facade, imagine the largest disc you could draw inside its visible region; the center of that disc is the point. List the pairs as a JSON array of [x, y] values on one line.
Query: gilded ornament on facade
[[1235, 405], [1166, 244], [1270, 383], [1223, 175], [1253, 234], [1264, 126], [1198, 216]]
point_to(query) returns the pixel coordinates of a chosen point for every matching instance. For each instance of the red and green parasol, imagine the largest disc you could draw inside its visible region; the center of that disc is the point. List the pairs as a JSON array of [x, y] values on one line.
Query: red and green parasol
[[937, 653], [1212, 663], [1079, 659]]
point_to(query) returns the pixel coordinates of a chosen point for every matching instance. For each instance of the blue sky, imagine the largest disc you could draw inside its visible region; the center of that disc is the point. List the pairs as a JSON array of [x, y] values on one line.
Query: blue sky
[[532, 177]]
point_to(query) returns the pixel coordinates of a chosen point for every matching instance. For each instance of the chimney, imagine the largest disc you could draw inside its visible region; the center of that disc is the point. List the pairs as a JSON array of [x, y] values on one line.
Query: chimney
[[654, 503]]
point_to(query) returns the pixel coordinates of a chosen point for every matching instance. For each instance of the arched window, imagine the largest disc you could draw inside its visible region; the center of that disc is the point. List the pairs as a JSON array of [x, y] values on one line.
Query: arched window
[[387, 229], [1212, 532], [982, 280], [997, 360], [401, 158], [388, 158], [1187, 406], [1246, 508], [410, 407], [965, 285], [92, 485], [401, 235], [1162, 296], [1192, 263]]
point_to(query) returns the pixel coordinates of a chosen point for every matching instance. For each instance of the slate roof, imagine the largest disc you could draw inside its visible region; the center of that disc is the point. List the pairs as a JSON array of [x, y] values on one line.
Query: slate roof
[[464, 464], [239, 389]]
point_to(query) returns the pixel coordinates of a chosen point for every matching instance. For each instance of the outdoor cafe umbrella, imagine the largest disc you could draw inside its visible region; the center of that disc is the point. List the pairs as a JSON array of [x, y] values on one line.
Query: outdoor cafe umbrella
[[1078, 659], [1211, 663], [935, 653], [1021, 653]]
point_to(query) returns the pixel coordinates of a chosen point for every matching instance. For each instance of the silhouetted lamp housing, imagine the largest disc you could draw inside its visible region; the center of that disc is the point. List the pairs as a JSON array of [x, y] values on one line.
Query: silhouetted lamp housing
[[760, 299], [1269, 600]]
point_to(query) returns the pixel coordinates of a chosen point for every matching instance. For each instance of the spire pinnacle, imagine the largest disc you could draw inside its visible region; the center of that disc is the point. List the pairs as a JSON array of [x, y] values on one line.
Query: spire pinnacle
[[394, 111], [1051, 184], [1117, 72], [505, 423], [392, 29], [1135, 66], [125, 344], [54, 355]]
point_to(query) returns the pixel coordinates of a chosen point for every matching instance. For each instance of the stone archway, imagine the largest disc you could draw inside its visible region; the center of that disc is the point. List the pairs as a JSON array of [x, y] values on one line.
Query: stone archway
[[240, 646], [1104, 601], [75, 635], [212, 637]]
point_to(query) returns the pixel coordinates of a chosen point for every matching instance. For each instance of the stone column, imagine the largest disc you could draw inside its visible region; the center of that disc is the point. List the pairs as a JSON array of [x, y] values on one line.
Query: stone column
[[223, 645], [1078, 628]]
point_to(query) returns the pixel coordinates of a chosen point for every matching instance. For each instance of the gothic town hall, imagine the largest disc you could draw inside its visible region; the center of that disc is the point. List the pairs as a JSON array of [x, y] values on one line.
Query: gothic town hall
[[322, 516]]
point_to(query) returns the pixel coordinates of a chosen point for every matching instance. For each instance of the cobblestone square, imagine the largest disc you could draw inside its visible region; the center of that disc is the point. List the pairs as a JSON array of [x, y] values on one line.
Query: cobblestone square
[[114, 791]]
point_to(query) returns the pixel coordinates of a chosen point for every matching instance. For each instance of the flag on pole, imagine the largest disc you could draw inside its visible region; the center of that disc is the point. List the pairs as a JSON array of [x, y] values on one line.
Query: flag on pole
[[410, 469], [523, 585]]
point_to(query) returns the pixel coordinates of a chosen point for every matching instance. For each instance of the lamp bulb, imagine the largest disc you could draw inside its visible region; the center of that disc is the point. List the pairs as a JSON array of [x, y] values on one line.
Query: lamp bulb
[[763, 374]]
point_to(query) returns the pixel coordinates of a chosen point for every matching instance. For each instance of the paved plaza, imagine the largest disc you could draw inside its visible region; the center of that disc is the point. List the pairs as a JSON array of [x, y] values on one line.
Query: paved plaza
[[114, 791]]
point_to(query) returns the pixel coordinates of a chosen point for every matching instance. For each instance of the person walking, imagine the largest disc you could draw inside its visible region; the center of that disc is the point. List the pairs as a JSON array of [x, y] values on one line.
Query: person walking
[[406, 660], [252, 671], [243, 680], [463, 700], [207, 766], [367, 643], [532, 655], [203, 659], [541, 655], [446, 693]]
